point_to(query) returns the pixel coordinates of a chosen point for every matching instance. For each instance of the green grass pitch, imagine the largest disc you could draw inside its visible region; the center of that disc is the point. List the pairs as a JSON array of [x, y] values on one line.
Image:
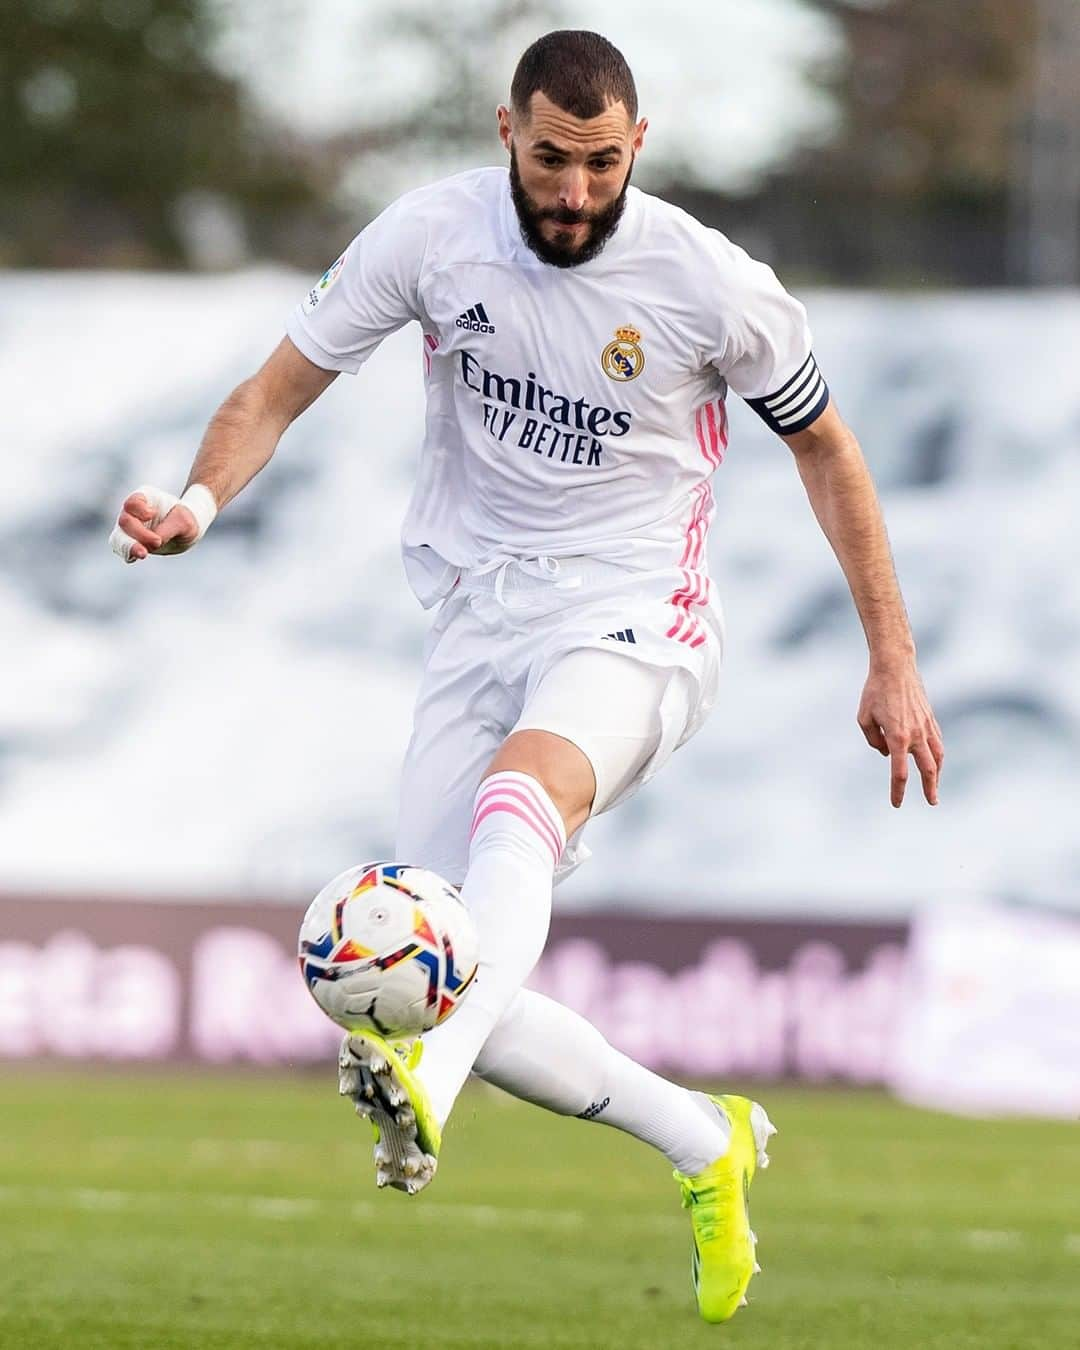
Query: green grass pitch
[[238, 1210]]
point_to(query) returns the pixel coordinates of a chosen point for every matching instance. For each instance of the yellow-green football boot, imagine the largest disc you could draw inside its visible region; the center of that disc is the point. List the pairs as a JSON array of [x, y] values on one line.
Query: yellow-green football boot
[[724, 1256], [380, 1076]]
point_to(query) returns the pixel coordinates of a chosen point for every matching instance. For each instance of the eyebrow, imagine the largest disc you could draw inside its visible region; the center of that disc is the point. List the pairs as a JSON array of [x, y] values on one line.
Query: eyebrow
[[553, 149]]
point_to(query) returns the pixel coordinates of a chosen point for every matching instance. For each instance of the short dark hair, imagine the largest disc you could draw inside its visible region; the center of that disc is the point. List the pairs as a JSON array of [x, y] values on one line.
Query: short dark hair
[[581, 72]]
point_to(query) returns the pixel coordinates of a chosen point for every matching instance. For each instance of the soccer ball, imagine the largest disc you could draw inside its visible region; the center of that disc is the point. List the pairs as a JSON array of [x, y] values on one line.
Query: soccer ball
[[388, 948]]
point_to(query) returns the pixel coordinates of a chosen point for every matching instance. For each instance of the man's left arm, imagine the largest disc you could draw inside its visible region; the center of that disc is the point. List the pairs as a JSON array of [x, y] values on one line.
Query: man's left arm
[[894, 714]]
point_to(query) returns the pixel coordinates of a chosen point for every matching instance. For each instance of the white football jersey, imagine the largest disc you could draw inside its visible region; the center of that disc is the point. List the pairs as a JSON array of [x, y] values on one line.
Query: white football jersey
[[570, 411]]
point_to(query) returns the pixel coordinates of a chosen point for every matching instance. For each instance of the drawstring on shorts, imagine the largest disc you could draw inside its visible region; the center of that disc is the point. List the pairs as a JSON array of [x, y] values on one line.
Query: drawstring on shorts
[[542, 568]]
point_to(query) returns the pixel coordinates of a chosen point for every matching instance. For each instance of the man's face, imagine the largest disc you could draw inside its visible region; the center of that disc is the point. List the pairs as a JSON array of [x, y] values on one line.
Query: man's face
[[569, 176]]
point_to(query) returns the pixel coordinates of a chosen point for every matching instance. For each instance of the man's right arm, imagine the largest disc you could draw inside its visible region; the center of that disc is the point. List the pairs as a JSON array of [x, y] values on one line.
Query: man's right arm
[[241, 438]]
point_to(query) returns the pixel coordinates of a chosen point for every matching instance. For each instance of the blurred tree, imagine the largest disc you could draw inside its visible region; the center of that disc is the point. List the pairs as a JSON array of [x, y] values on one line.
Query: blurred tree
[[123, 139], [460, 66], [918, 184], [122, 143], [930, 94]]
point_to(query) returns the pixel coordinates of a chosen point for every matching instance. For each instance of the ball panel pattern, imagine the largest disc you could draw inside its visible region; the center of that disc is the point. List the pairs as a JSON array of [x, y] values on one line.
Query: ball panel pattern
[[389, 948]]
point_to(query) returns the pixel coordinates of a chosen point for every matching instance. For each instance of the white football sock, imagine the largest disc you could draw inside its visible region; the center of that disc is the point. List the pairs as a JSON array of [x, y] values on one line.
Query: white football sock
[[546, 1054], [517, 839]]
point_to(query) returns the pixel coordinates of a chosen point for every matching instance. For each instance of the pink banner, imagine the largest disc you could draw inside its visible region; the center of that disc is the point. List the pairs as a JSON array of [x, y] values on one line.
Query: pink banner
[[133, 981]]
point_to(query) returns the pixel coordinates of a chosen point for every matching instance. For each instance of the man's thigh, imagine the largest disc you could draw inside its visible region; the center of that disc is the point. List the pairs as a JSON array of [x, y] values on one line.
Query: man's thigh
[[626, 716], [463, 713], [608, 677]]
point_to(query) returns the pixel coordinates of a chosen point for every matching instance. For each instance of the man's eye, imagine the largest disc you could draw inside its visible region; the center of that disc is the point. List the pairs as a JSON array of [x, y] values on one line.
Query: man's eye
[[602, 165], [550, 161]]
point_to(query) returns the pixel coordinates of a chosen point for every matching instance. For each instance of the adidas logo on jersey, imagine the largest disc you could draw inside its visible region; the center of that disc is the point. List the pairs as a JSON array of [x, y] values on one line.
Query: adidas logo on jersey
[[475, 319], [623, 635]]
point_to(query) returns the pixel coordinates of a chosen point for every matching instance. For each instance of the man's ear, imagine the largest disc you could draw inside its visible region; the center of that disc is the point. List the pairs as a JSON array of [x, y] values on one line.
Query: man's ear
[[639, 135], [506, 133]]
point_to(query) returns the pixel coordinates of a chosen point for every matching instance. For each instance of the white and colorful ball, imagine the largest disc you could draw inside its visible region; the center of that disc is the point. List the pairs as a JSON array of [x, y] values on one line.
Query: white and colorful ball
[[388, 948]]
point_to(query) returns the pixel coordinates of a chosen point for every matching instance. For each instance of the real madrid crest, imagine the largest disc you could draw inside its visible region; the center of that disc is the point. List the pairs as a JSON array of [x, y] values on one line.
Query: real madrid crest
[[623, 359]]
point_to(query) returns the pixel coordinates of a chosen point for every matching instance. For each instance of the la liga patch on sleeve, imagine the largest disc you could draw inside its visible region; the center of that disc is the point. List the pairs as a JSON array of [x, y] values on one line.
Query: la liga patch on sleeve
[[319, 291]]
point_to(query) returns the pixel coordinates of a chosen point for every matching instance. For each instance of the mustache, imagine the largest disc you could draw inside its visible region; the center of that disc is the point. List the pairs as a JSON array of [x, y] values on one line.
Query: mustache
[[562, 216]]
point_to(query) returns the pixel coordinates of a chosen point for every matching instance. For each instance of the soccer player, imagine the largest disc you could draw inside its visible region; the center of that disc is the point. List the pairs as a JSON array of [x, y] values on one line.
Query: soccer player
[[579, 338]]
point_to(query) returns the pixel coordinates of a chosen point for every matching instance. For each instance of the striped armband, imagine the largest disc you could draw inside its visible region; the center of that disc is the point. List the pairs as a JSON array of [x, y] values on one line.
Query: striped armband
[[795, 404]]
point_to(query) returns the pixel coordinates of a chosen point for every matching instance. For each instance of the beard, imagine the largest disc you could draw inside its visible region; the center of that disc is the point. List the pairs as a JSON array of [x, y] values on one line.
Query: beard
[[562, 251]]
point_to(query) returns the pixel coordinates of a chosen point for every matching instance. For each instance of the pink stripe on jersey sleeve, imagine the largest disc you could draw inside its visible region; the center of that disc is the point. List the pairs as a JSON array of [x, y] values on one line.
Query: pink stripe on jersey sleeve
[[698, 528], [692, 540], [700, 430], [715, 453], [703, 523], [707, 429]]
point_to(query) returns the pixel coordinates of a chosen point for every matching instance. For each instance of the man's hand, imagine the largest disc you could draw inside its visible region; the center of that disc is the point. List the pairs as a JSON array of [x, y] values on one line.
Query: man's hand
[[153, 521], [239, 441], [894, 713], [897, 720]]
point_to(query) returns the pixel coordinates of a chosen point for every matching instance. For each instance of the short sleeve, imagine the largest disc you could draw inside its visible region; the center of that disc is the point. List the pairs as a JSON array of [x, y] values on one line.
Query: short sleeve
[[367, 294], [765, 350]]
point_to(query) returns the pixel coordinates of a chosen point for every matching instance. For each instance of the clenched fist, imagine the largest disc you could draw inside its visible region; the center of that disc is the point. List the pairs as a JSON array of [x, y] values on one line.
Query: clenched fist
[[154, 521]]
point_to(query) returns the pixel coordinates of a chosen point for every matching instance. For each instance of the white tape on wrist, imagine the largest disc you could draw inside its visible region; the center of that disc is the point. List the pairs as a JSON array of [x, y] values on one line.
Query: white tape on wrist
[[199, 500]]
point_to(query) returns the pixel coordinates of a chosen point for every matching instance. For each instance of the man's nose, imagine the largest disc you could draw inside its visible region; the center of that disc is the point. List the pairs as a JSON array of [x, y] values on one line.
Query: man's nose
[[574, 190]]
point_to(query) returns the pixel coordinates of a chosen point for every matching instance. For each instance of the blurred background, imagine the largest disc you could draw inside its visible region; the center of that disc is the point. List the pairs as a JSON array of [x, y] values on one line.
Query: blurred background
[[227, 727], [190, 748]]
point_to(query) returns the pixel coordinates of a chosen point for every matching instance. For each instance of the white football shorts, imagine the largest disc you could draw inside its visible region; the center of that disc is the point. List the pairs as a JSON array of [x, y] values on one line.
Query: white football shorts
[[623, 664]]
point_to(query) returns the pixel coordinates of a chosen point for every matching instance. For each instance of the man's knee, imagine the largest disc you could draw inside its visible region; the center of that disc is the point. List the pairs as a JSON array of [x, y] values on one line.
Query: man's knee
[[562, 769]]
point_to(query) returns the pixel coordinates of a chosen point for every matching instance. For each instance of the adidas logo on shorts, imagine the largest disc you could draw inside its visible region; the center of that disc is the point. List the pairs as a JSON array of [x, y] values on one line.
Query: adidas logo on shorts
[[623, 635], [475, 319]]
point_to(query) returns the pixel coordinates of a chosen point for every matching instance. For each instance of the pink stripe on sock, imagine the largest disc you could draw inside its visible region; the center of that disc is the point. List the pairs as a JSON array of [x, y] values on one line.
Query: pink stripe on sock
[[512, 810], [538, 815], [544, 804], [521, 787], [538, 818]]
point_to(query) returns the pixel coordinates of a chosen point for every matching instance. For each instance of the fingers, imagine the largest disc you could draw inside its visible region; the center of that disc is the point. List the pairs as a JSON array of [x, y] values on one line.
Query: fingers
[[928, 754], [138, 531], [928, 769], [137, 505], [132, 537], [179, 527], [875, 737], [125, 547], [936, 744], [898, 753], [134, 528], [896, 719]]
